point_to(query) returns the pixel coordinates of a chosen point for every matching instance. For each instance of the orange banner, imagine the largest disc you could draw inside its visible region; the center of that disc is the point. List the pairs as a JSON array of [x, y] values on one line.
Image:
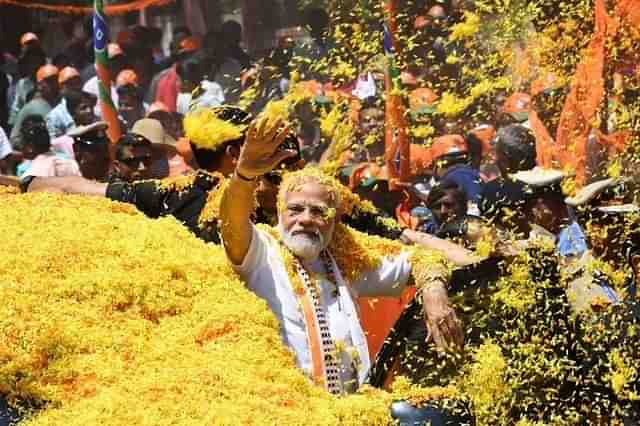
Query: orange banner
[[116, 9], [588, 92], [629, 11], [397, 150], [584, 101]]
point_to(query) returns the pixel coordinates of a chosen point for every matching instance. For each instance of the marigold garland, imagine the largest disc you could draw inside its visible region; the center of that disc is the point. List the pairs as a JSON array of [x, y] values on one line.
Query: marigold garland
[[418, 395], [177, 183], [117, 9], [356, 252], [211, 211], [428, 267]]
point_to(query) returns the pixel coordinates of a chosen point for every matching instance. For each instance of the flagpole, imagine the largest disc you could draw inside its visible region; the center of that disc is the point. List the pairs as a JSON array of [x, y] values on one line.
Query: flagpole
[[100, 43], [397, 149]]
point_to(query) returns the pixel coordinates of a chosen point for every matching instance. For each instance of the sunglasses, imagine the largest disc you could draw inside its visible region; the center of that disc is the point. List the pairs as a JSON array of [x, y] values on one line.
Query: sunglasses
[[91, 141]]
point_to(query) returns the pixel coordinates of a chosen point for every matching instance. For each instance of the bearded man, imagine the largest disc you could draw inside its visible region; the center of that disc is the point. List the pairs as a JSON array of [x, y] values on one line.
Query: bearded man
[[311, 269]]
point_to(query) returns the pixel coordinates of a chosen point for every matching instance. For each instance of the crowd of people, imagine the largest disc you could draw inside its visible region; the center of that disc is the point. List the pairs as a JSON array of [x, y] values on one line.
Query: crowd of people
[[61, 94], [190, 136]]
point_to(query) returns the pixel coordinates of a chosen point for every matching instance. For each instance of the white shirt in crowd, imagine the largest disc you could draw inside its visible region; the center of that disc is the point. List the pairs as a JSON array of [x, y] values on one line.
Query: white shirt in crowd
[[59, 120], [5, 145], [264, 272], [49, 164], [91, 86], [212, 96]]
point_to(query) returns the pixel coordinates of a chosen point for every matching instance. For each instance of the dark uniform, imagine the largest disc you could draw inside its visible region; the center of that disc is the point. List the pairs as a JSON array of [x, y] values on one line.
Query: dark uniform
[[184, 198], [191, 200]]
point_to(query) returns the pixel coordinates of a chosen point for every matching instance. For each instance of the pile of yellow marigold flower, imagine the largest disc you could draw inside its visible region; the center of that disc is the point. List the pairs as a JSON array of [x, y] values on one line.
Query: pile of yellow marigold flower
[[111, 318]]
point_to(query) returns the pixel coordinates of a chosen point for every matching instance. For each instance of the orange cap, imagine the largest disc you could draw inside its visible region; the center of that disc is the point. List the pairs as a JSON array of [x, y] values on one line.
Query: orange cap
[[46, 71], [67, 73], [448, 144], [517, 103], [422, 98], [190, 44], [127, 77], [157, 106], [485, 133], [113, 50], [27, 38]]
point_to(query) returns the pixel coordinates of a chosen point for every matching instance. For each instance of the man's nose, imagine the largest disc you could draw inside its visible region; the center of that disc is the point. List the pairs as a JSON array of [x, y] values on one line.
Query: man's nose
[[306, 218], [141, 166]]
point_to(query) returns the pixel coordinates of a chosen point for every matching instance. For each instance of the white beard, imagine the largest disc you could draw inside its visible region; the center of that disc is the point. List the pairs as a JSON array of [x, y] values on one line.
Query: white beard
[[305, 246]]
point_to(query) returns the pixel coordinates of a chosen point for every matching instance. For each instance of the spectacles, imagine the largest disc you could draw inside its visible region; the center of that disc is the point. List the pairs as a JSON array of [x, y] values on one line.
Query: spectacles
[[317, 212], [88, 141]]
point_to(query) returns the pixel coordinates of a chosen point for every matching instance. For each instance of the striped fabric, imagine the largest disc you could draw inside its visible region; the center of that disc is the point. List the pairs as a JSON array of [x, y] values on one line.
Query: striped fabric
[[100, 41], [332, 369]]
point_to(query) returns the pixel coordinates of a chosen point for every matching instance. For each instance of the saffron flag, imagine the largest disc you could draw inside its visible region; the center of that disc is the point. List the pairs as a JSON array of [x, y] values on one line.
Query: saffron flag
[[396, 141], [580, 112], [579, 118], [100, 41]]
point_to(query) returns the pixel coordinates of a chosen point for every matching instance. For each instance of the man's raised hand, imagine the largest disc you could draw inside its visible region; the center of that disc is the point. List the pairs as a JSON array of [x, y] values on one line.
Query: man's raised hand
[[260, 153]]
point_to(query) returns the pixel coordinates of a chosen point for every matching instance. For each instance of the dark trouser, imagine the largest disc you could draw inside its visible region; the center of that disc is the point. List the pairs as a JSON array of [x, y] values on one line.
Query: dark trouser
[[431, 415], [8, 416]]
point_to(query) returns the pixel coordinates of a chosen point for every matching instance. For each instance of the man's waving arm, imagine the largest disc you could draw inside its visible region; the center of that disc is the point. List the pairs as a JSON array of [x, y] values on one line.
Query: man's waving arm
[[259, 155]]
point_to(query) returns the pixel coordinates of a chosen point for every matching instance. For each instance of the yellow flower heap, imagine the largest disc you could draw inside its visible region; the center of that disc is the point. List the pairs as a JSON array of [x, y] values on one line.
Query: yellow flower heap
[[134, 321]]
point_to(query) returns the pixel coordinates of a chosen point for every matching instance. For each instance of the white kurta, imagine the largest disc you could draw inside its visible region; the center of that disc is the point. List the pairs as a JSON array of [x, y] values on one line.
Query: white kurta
[[264, 272]]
